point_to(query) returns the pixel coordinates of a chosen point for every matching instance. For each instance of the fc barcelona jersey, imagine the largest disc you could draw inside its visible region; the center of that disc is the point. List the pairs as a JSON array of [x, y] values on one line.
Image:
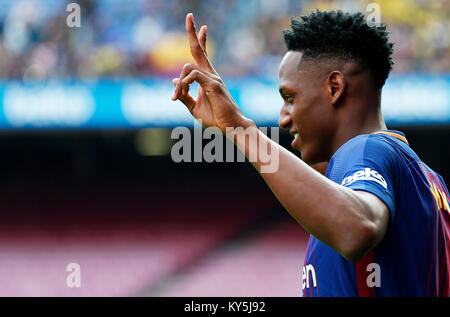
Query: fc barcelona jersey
[[413, 259]]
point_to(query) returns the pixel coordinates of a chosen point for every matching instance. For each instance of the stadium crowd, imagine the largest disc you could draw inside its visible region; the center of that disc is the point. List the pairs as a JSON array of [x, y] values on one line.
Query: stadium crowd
[[139, 38]]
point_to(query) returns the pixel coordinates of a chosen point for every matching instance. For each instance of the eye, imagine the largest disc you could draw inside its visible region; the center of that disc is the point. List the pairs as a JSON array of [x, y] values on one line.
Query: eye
[[289, 98]]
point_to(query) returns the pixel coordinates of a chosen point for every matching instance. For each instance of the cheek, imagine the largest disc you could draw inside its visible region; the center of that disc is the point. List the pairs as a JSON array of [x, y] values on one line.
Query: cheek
[[305, 116], [312, 121]]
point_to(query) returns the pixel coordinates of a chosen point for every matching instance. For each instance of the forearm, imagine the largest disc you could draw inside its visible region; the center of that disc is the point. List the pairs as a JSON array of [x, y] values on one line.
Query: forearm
[[330, 212]]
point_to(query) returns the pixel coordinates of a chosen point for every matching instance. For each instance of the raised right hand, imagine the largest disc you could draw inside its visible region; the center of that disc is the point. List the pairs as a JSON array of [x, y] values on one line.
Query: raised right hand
[[214, 105]]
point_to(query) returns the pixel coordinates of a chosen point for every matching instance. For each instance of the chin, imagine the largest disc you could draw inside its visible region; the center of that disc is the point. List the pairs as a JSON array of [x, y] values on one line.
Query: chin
[[309, 157], [307, 153], [307, 161]]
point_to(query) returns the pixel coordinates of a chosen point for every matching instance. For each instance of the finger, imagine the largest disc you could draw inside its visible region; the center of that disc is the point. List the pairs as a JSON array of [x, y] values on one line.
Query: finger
[[202, 38], [175, 82], [206, 82], [188, 100], [178, 87], [187, 69], [196, 50], [184, 88]]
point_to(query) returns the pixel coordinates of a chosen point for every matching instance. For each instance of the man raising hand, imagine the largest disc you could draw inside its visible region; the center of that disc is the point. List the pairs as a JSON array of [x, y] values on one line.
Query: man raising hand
[[365, 214]]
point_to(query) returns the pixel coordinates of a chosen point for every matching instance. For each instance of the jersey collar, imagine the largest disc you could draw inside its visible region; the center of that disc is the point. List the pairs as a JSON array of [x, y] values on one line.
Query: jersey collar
[[396, 134]]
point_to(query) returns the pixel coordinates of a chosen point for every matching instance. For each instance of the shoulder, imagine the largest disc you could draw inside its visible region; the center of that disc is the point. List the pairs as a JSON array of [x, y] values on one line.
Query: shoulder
[[363, 151], [366, 145]]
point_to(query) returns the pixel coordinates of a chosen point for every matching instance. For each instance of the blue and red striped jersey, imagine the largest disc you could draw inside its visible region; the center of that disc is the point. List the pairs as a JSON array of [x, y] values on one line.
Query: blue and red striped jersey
[[413, 259]]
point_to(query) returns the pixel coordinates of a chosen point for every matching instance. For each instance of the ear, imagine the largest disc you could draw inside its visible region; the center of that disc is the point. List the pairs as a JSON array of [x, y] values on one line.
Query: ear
[[336, 86]]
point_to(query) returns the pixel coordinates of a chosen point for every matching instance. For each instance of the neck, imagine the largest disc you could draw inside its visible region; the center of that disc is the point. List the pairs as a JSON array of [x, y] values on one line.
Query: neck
[[356, 124]]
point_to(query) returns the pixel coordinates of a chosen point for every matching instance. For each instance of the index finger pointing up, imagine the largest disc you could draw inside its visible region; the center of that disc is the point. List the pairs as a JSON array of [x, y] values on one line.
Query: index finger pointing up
[[196, 50]]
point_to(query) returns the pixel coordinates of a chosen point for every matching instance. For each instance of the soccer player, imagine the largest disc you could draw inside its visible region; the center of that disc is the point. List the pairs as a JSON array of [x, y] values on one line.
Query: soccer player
[[379, 218]]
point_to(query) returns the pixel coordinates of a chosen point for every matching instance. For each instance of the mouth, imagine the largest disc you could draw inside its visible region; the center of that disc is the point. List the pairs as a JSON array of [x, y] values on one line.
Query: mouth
[[296, 136]]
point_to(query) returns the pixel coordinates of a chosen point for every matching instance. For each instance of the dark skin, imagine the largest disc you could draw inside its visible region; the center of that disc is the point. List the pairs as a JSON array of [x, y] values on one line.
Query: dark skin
[[327, 104], [345, 106], [320, 167]]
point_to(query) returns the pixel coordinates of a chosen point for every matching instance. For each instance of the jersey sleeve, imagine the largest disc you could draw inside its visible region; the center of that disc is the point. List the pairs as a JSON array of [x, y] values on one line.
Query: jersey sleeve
[[367, 163]]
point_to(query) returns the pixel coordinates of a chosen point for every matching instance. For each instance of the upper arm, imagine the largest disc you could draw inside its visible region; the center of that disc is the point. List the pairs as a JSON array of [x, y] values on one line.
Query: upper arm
[[377, 214], [368, 166]]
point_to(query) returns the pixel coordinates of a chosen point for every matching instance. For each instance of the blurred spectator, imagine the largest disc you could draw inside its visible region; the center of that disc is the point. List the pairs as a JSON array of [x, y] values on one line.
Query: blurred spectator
[[141, 38]]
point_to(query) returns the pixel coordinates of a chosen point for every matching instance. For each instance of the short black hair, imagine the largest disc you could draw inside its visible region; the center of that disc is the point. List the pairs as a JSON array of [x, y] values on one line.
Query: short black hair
[[343, 35]]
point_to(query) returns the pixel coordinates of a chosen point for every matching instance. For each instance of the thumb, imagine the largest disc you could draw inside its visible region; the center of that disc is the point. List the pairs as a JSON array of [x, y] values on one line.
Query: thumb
[[188, 100]]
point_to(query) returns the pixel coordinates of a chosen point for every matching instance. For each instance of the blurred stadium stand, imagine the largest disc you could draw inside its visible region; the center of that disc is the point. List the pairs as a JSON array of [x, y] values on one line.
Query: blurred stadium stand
[[129, 222], [146, 37], [85, 121], [145, 226]]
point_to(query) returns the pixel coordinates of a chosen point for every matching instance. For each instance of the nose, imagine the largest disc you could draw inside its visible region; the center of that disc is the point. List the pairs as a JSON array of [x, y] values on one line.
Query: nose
[[285, 118]]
